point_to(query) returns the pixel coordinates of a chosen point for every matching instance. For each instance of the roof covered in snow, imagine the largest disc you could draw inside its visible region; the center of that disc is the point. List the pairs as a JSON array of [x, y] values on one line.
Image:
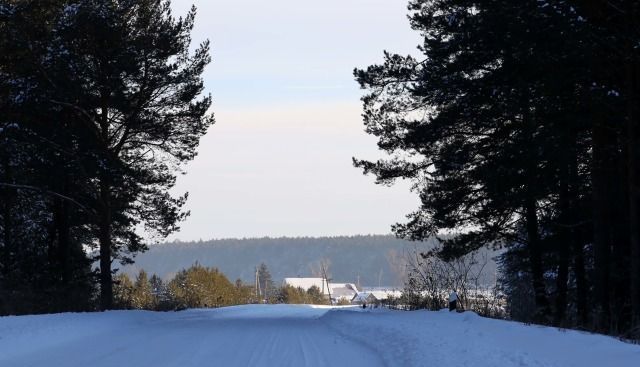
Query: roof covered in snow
[[364, 297], [343, 290]]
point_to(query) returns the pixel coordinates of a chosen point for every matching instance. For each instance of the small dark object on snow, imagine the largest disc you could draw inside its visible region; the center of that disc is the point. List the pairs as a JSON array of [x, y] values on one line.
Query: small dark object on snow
[[453, 300]]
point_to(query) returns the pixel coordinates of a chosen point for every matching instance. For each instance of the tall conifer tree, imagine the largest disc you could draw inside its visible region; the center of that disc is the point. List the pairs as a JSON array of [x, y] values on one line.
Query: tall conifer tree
[[127, 73], [107, 95], [514, 128]]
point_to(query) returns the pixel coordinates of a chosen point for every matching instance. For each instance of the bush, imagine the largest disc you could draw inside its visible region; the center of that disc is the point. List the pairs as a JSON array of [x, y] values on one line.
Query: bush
[[196, 287]]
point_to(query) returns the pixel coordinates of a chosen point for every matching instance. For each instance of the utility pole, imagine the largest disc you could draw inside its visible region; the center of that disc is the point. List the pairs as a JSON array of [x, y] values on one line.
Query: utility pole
[[326, 280], [258, 290]]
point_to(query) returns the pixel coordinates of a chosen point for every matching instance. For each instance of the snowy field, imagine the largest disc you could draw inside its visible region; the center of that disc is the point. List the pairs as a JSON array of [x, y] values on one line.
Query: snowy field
[[286, 335]]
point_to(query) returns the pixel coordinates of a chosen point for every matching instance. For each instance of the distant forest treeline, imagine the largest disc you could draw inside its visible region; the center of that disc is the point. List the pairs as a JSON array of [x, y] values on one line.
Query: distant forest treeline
[[375, 259]]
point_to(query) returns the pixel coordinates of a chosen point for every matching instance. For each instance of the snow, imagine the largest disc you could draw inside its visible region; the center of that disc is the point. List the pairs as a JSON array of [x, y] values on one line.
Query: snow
[[446, 339], [289, 335]]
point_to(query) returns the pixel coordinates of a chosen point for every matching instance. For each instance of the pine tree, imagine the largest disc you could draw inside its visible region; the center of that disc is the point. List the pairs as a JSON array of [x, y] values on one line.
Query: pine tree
[[267, 287], [142, 294], [97, 97], [293, 295], [123, 291], [124, 70], [315, 296], [500, 128], [468, 119], [38, 161], [614, 75]]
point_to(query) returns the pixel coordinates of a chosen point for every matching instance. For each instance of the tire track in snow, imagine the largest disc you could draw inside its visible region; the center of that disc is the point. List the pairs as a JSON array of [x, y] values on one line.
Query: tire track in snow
[[257, 336]]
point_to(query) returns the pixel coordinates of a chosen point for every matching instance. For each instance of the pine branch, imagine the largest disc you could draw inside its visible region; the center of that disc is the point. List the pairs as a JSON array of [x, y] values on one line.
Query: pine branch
[[49, 192]]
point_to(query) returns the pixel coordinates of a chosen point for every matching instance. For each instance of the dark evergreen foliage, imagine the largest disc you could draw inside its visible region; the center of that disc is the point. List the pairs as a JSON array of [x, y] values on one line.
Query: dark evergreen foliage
[[517, 127], [268, 290], [99, 106], [44, 267]]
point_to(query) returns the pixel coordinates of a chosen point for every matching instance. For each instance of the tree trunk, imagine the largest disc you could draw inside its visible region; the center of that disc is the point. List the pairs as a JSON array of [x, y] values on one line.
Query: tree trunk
[[106, 281], [535, 260], [581, 283], [60, 253], [531, 215], [563, 244], [633, 164], [578, 237], [569, 226], [601, 235], [6, 221], [64, 247], [595, 12], [561, 285]]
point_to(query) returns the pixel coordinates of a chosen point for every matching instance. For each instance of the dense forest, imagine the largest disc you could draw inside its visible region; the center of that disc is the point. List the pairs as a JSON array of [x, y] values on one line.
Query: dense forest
[[519, 126], [99, 107], [367, 260]]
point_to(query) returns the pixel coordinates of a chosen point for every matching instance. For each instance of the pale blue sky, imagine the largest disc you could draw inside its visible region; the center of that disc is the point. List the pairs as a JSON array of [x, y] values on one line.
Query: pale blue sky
[[278, 160]]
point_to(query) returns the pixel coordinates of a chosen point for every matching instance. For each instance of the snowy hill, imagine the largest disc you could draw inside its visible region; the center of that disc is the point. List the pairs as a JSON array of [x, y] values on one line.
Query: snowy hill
[[285, 335]]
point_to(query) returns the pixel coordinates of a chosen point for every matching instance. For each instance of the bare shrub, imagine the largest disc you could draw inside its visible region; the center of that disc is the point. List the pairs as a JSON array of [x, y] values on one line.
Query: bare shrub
[[431, 279]]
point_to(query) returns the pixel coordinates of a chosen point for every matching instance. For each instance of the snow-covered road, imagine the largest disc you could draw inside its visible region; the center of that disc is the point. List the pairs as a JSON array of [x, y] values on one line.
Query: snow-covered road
[[300, 336], [238, 336]]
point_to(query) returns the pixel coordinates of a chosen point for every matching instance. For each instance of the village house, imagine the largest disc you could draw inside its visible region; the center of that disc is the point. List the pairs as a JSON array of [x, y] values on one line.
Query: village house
[[364, 298], [374, 295], [340, 292]]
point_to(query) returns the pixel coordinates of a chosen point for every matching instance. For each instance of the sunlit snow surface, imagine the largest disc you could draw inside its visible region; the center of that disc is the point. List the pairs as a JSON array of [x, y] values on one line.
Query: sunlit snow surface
[[282, 335]]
